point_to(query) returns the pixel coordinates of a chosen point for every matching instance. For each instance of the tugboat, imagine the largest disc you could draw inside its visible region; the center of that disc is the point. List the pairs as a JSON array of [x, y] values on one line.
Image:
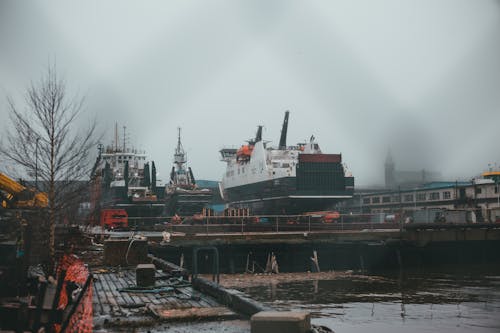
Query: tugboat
[[123, 179], [284, 179], [182, 195]]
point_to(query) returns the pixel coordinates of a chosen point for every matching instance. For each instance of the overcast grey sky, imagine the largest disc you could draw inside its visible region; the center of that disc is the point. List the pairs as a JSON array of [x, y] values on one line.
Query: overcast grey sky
[[422, 77]]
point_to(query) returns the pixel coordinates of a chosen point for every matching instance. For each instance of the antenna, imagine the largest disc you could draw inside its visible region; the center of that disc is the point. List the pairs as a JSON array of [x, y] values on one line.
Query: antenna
[[116, 136], [124, 128]]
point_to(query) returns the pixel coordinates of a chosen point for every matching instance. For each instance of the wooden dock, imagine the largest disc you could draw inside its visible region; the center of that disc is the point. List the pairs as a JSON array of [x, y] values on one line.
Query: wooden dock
[[172, 299]]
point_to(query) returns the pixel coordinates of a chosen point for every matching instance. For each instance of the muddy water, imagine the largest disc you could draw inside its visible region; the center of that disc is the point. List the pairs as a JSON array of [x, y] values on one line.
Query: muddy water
[[393, 302]]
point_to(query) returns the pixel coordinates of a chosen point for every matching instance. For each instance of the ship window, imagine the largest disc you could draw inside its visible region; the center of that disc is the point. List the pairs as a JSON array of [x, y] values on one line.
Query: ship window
[[434, 196], [421, 197], [478, 191], [408, 197], [496, 189], [276, 165], [366, 201], [447, 195], [285, 165], [375, 200], [386, 199]]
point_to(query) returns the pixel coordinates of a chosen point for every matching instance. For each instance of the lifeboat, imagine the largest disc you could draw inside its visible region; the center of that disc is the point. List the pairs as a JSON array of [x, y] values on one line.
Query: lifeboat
[[244, 152]]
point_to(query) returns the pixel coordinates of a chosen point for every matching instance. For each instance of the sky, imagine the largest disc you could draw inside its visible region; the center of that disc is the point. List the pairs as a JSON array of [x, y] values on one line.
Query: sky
[[421, 78]]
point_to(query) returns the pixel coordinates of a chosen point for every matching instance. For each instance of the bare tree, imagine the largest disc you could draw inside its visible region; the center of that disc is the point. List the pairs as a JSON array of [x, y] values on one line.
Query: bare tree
[[44, 139]]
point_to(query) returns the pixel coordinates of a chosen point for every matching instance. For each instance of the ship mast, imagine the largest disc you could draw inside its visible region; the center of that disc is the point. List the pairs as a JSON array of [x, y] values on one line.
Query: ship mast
[[124, 137], [116, 136], [180, 155]]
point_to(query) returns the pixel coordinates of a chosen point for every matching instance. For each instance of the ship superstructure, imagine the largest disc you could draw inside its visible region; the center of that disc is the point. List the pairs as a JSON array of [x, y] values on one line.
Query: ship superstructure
[[284, 179], [127, 181], [182, 195]]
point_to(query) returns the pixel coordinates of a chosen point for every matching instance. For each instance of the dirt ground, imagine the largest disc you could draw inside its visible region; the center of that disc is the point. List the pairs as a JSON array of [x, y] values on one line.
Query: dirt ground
[[249, 280]]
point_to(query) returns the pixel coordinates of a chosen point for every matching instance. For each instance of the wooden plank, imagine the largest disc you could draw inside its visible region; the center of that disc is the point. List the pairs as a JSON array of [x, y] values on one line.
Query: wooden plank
[[96, 301], [210, 300], [106, 309], [186, 295], [109, 295], [201, 302], [128, 279], [168, 300], [120, 283], [111, 280]]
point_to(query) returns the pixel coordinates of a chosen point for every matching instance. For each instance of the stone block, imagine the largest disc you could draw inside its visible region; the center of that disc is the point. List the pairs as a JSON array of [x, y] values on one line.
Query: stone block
[[145, 275], [280, 322]]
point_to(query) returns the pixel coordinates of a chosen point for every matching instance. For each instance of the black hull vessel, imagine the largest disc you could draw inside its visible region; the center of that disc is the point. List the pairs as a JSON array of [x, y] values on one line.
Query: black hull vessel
[[123, 179], [187, 202], [284, 180]]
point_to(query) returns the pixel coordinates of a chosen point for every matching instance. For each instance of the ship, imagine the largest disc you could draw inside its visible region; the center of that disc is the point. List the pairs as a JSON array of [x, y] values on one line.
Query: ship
[[183, 197], [285, 179], [124, 179]]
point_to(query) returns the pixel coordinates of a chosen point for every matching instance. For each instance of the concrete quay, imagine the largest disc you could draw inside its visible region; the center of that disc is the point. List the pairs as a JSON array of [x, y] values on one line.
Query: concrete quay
[[341, 249]]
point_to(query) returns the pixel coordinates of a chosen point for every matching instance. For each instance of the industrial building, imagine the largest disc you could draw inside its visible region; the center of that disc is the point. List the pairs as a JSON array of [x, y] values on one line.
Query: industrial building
[[481, 196]]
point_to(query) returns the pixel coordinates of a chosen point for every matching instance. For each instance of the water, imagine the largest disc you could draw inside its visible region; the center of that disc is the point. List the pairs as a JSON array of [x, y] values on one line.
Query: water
[[401, 302]]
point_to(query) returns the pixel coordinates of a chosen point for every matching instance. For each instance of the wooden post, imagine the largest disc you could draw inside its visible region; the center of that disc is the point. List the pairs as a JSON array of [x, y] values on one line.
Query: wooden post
[[39, 305], [22, 316], [75, 304], [55, 303], [315, 261]]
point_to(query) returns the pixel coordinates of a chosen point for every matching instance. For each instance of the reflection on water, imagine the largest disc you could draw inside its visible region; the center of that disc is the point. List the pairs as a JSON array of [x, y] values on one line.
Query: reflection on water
[[410, 302]]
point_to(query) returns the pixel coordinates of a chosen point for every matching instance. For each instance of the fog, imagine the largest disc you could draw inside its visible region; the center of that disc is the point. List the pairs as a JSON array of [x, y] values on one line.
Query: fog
[[421, 78]]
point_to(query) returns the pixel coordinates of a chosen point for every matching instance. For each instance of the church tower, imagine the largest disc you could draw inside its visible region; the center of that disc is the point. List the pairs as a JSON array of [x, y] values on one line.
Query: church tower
[[390, 181]]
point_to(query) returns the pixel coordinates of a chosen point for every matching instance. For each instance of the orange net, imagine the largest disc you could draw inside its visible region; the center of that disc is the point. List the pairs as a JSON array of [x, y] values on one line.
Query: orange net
[[76, 272]]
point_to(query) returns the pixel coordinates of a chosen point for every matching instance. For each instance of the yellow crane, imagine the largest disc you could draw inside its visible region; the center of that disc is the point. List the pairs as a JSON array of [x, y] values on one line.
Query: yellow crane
[[15, 195]]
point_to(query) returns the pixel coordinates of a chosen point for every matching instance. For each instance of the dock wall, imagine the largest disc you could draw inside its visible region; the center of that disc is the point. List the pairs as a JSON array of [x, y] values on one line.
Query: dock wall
[[360, 251]]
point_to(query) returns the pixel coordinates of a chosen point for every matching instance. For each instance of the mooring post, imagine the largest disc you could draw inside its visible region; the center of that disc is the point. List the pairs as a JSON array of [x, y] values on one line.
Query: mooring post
[[215, 264], [362, 263]]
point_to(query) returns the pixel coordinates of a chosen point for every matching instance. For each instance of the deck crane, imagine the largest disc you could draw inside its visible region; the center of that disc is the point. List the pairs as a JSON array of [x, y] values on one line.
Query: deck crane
[[15, 195]]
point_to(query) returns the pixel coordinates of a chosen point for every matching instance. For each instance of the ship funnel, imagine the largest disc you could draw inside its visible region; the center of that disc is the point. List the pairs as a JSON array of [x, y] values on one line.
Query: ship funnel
[[283, 131], [258, 136]]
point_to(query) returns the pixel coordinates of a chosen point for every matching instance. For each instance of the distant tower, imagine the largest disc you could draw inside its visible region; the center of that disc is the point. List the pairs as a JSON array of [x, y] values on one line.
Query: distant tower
[[390, 181]]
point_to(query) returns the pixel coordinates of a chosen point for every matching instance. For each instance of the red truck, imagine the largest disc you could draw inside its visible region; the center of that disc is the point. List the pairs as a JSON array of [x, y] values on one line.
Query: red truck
[[114, 219]]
